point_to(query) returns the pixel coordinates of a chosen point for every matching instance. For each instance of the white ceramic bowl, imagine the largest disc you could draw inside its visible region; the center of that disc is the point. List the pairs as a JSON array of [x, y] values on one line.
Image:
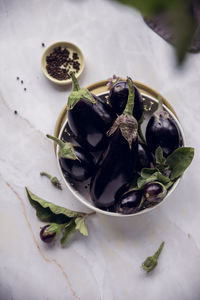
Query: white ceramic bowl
[[80, 191]]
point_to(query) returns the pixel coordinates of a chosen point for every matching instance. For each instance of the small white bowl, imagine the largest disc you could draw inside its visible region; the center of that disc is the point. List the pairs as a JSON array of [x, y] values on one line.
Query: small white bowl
[[71, 48]]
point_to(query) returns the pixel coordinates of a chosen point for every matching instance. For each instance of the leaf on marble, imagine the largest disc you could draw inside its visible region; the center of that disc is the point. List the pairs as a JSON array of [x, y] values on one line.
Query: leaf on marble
[[49, 212], [179, 160], [81, 226], [68, 230]]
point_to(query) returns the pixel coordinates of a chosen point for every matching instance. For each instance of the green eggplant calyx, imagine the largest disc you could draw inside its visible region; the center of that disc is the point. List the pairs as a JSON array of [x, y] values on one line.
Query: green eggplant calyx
[[77, 94], [66, 150], [128, 127], [131, 96], [160, 111]]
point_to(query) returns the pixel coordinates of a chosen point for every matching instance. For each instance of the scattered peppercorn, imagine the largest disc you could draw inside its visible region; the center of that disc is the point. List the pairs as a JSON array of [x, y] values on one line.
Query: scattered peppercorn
[[15, 112], [60, 64], [24, 89], [22, 82], [17, 78], [43, 44]]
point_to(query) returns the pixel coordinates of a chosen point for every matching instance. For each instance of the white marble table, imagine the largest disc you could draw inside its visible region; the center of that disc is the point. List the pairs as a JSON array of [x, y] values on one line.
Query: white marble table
[[106, 264]]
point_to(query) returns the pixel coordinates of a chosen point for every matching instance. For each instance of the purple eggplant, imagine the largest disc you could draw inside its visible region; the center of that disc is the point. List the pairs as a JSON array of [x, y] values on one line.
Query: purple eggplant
[[144, 157], [118, 98], [129, 202], [162, 131], [89, 118], [154, 191], [75, 162], [119, 161]]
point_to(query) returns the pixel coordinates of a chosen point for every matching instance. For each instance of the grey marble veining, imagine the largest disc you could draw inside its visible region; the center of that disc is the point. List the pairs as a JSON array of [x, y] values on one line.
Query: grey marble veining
[[105, 265]]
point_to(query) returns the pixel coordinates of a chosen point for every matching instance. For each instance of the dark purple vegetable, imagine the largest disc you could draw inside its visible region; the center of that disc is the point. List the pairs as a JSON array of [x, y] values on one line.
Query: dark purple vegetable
[[144, 157], [154, 191], [89, 118], [162, 131], [119, 161], [75, 162], [129, 202], [45, 236], [118, 98]]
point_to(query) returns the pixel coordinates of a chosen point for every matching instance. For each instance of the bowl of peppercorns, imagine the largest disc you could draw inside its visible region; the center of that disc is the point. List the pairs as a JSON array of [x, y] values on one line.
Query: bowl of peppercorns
[[59, 60]]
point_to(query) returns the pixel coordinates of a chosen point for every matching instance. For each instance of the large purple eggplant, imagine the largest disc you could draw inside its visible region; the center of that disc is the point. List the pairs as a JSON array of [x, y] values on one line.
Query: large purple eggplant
[[89, 118], [118, 98], [162, 131], [119, 161]]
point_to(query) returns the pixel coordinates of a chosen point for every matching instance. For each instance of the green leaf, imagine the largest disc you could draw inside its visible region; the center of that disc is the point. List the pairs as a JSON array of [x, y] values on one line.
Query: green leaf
[[146, 172], [161, 162], [157, 176], [179, 160], [81, 226], [47, 211], [69, 229]]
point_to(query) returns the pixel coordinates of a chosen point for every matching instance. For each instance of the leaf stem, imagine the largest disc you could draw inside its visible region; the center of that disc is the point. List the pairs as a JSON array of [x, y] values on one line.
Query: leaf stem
[[131, 95]]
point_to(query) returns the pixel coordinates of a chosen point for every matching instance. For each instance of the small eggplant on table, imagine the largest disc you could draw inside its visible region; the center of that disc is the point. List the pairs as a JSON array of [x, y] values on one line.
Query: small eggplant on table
[[162, 131], [75, 162], [119, 161], [89, 118]]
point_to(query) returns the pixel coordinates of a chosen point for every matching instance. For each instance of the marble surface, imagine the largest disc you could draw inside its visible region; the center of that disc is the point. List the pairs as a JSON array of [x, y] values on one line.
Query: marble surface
[[106, 264]]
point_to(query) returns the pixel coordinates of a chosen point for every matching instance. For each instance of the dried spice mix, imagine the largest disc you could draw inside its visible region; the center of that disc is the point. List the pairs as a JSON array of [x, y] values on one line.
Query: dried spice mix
[[61, 62]]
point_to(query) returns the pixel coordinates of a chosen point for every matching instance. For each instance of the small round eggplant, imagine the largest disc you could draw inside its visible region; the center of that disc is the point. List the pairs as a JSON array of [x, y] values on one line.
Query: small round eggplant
[[75, 162], [89, 118], [154, 191], [129, 202], [144, 157], [162, 131], [118, 98], [47, 237]]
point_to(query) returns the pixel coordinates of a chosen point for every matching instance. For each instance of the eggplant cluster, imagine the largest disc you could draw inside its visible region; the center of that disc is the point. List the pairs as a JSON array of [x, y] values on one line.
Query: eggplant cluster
[[107, 148]]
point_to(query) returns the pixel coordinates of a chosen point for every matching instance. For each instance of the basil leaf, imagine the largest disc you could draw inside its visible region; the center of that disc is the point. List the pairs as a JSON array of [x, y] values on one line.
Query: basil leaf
[[47, 211], [161, 162], [69, 229], [81, 226], [157, 176], [146, 172], [179, 160]]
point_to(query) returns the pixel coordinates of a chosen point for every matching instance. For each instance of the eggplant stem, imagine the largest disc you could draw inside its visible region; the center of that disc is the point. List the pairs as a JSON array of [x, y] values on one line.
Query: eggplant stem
[[58, 141], [76, 86], [156, 255], [46, 174], [141, 135], [131, 96]]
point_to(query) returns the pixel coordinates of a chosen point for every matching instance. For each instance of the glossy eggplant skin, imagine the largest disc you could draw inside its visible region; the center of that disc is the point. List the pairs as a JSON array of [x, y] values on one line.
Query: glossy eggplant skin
[[154, 192], [81, 168], [128, 203], [144, 157], [114, 171], [118, 98], [89, 123], [162, 132]]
